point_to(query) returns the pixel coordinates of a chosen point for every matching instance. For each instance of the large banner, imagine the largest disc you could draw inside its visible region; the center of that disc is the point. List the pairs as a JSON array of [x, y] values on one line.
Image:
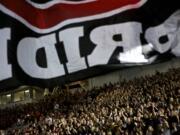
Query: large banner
[[52, 42]]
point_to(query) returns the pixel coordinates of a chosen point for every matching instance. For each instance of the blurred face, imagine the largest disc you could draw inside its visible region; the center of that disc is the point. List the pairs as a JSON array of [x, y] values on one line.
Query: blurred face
[[103, 133], [150, 129], [109, 133], [171, 106], [103, 121]]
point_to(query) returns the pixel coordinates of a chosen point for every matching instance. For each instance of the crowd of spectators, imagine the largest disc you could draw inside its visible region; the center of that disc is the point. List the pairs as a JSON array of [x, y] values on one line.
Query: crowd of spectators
[[148, 105]]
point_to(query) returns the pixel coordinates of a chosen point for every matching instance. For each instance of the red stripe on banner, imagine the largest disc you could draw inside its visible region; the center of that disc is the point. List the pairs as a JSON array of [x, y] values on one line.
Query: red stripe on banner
[[46, 18]]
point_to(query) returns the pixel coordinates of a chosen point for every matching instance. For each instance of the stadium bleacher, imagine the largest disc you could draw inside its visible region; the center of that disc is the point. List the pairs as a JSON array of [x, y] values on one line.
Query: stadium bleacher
[[143, 106]]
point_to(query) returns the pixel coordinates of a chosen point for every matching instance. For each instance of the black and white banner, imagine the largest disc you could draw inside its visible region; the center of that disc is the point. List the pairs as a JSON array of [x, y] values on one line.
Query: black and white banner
[[52, 42]]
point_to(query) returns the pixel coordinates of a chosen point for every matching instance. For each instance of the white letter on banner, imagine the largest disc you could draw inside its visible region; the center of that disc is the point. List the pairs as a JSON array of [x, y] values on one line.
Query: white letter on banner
[[176, 48], [103, 38], [168, 30], [70, 38], [5, 68], [27, 50]]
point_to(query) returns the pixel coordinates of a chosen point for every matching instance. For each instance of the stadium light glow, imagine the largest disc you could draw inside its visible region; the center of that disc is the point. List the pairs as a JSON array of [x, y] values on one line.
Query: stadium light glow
[[26, 91]]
